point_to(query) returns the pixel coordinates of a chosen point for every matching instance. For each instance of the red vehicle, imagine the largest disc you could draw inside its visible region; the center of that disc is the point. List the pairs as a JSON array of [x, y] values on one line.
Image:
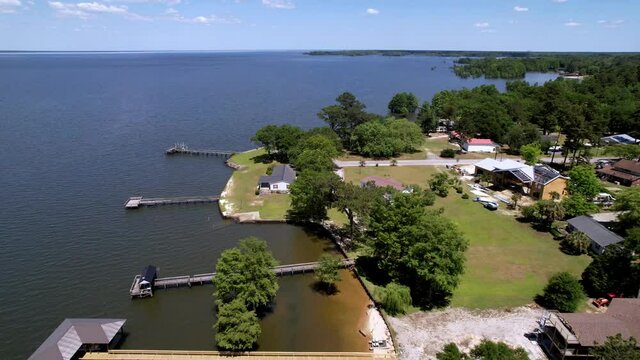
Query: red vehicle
[[604, 301]]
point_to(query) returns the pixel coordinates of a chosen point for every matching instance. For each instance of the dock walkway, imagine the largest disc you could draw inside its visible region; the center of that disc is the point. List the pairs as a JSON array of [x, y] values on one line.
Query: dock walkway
[[184, 149], [201, 279], [135, 202]]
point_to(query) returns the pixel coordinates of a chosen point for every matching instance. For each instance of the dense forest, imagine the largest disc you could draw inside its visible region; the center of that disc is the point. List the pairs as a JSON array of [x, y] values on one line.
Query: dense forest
[[455, 53]]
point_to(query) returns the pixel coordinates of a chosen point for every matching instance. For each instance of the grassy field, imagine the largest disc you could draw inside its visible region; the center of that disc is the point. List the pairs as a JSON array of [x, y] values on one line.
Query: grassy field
[[406, 174], [242, 193], [508, 262]]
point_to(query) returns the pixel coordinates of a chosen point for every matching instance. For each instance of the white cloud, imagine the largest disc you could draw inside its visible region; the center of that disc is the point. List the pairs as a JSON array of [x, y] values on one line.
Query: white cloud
[[520, 8], [572, 23], [168, 2], [86, 10], [482, 25], [279, 4], [173, 14], [611, 23], [9, 6], [372, 11]]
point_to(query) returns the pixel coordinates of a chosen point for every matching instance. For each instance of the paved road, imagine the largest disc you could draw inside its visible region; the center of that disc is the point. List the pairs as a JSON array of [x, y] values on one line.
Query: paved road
[[431, 162]]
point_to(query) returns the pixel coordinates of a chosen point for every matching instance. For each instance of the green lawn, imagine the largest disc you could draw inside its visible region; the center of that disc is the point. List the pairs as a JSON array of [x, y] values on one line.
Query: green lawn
[[406, 174], [508, 262], [242, 192]]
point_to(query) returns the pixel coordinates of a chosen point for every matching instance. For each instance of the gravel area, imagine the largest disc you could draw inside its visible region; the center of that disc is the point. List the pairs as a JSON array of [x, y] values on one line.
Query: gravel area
[[422, 335]]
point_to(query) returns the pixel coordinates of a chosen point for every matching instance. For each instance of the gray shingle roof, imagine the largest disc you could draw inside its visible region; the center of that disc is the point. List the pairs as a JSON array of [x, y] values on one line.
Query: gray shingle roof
[[595, 231], [71, 334], [280, 173]]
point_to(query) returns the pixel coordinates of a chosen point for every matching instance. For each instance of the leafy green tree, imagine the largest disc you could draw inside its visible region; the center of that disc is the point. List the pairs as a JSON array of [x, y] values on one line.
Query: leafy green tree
[[406, 134], [563, 293], [628, 203], [313, 160], [451, 352], [576, 243], [522, 134], [386, 138], [489, 350], [246, 273], [632, 241], [417, 247], [583, 181], [237, 328], [515, 199], [426, 118], [404, 105], [531, 153], [615, 348], [394, 298], [280, 140], [544, 212], [345, 116], [440, 183], [266, 136], [629, 152], [613, 271], [312, 194], [327, 272], [576, 205], [354, 201]]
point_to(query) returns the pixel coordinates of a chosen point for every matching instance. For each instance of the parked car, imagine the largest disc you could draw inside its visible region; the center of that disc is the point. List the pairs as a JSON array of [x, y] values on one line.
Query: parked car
[[488, 204]]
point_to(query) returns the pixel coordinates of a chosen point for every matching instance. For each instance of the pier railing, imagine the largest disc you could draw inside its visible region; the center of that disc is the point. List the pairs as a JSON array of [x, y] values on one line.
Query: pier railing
[[135, 202], [184, 149]]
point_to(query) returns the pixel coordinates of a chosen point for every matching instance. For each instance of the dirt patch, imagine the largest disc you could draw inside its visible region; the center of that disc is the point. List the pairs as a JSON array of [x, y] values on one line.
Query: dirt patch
[[422, 335]]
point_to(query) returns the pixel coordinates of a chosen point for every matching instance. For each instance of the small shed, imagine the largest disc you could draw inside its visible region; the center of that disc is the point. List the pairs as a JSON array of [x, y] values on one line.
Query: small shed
[[280, 179], [600, 236]]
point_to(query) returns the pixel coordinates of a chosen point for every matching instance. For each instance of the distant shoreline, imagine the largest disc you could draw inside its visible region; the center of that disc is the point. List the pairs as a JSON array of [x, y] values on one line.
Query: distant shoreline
[[458, 53]]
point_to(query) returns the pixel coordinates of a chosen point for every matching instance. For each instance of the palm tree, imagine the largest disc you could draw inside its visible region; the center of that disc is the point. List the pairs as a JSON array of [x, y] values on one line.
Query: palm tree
[[515, 198]]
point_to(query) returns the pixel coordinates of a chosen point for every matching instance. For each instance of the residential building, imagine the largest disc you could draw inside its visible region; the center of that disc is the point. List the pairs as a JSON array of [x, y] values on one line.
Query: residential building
[[479, 145], [74, 337], [623, 139], [624, 172], [279, 181], [600, 236], [539, 181], [571, 336], [382, 182]]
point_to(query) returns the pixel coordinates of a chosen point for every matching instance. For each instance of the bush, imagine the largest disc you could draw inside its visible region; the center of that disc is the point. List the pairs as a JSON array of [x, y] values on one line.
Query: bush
[[576, 243], [448, 153], [563, 293], [459, 189], [465, 196], [394, 298], [270, 169]]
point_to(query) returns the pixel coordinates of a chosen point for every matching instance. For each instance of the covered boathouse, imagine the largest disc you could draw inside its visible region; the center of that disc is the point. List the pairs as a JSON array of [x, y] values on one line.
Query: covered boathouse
[[75, 337]]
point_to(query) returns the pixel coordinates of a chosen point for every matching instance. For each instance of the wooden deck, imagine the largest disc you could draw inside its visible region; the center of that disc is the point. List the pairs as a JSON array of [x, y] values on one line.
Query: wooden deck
[[201, 279], [184, 149], [136, 202], [214, 355]]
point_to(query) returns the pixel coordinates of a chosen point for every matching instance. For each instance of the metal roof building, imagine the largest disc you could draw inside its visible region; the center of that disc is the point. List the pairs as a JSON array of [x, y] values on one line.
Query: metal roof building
[[600, 236], [74, 335]]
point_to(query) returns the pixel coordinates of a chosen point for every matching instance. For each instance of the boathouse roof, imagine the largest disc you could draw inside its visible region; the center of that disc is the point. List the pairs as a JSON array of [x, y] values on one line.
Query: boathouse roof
[[72, 334], [149, 273]]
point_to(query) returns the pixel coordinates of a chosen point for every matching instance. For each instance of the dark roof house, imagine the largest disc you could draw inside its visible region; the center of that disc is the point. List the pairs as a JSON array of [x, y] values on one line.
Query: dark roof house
[[76, 335], [600, 236], [281, 177], [626, 172]]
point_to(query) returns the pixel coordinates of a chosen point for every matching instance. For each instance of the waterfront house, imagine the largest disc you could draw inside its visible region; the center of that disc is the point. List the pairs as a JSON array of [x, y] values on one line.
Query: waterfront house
[[378, 181], [570, 336], [479, 145], [600, 236], [539, 181], [74, 337], [279, 181], [623, 172]]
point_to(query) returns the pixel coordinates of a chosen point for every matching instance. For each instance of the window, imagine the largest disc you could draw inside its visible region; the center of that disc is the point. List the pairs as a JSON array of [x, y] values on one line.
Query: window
[[275, 186]]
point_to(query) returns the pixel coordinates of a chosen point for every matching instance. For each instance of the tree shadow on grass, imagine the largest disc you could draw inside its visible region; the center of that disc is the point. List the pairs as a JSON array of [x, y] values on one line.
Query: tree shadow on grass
[[324, 288], [262, 159]]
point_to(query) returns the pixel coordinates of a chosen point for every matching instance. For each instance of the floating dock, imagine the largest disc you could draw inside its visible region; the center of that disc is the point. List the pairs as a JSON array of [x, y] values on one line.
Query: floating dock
[[201, 279], [184, 149], [136, 202]]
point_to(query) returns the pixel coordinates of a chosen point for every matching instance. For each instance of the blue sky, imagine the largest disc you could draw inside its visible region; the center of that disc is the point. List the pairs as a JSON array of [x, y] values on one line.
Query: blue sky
[[549, 25]]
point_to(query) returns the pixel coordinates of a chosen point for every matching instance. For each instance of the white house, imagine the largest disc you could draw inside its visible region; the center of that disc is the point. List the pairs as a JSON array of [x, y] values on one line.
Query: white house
[[280, 179], [479, 145]]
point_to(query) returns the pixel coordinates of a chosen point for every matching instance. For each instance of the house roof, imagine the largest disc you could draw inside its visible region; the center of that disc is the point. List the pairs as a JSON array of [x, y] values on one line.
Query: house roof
[[629, 166], [595, 231], [620, 139], [280, 173], [71, 334], [622, 317], [491, 164], [476, 141], [544, 174], [541, 174], [149, 273], [382, 182]]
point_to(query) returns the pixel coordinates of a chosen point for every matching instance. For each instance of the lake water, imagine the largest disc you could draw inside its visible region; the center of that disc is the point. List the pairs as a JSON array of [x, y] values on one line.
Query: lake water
[[80, 133]]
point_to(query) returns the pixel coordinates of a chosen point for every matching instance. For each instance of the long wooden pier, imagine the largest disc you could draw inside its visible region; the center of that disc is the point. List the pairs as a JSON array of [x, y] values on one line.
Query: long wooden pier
[[135, 202], [201, 279], [184, 149]]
